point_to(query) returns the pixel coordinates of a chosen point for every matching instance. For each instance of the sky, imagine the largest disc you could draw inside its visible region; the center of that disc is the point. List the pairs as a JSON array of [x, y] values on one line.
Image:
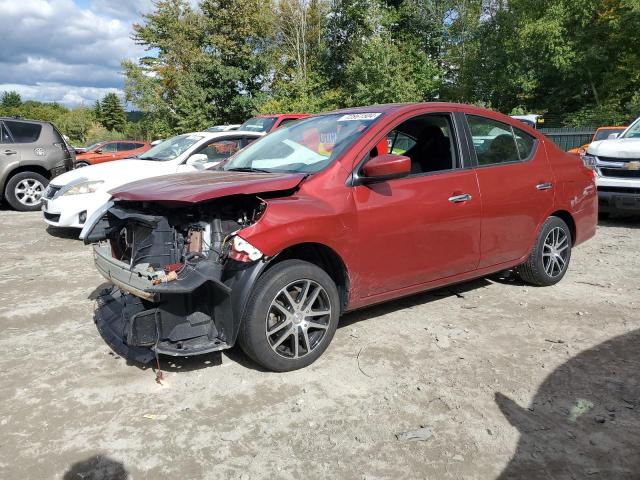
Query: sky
[[67, 51]]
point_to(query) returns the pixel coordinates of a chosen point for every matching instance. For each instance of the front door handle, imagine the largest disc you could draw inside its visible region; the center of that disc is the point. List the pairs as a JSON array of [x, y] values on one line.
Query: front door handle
[[544, 186], [461, 198], [10, 152]]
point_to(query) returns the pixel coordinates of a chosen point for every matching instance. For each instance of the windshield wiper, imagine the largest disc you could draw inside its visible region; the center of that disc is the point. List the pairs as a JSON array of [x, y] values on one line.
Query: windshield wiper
[[247, 169]]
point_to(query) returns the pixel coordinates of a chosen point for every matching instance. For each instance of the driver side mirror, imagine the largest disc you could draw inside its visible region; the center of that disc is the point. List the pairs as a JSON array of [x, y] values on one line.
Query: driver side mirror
[[385, 167], [99, 150], [198, 161], [613, 136]]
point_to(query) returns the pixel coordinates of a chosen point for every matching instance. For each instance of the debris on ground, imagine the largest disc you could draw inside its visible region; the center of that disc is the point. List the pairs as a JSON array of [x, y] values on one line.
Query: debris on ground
[[420, 435]]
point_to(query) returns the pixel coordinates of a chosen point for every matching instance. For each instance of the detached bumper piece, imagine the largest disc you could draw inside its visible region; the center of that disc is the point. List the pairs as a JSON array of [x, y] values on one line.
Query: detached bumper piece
[[137, 330]]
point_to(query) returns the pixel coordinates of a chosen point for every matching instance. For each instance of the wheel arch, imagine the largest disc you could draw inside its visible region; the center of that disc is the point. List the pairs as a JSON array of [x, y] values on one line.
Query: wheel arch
[[569, 220], [23, 168], [324, 257]]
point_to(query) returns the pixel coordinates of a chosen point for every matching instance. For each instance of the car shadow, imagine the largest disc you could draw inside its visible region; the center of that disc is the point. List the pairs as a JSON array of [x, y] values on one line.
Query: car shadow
[[98, 467], [62, 232], [459, 290], [620, 221], [235, 354], [584, 420]]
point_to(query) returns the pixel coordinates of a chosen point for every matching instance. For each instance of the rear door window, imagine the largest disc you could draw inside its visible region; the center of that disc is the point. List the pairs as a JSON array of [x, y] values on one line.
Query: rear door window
[[493, 141], [126, 146], [23, 132], [4, 134], [525, 143]]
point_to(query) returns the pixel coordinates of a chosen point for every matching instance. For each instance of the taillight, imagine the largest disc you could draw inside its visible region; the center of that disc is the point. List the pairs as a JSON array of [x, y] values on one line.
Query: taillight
[[243, 251]]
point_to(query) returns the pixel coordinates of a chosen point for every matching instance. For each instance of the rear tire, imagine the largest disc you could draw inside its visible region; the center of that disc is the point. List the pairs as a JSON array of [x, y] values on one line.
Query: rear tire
[[81, 164], [291, 316], [24, 191], [550, 256]]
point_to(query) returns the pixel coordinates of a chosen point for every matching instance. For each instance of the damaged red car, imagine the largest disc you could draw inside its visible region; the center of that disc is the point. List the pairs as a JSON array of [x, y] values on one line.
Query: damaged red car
[[333, 213]]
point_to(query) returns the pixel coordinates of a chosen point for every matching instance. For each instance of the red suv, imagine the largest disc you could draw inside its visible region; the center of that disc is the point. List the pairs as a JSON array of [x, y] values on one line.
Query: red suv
[[269, 123], [109, 151], [337, 212]]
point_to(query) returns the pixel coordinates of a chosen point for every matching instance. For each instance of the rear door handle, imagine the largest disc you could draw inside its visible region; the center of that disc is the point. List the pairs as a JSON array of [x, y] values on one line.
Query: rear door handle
[[461, 198], [544, 186], [10, 152]]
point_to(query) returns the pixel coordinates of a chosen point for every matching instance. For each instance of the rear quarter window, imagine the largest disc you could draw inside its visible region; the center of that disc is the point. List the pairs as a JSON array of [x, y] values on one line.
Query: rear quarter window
[[23, 132]]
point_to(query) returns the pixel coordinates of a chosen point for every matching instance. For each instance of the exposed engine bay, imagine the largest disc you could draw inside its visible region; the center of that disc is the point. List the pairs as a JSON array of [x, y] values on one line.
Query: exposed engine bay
[[174, 269]]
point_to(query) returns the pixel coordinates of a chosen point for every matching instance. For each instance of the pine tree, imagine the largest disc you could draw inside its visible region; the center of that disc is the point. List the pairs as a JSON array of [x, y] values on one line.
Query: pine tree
[[97, 110], [113, 115]]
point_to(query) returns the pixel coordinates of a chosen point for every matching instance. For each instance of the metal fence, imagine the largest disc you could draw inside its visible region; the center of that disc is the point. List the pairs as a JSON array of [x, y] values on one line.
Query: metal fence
[[568, 138]]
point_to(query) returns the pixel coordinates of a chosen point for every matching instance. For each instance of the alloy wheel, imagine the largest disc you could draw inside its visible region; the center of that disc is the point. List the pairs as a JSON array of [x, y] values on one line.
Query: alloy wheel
[[555, 252], [298, 319], [29, 191]]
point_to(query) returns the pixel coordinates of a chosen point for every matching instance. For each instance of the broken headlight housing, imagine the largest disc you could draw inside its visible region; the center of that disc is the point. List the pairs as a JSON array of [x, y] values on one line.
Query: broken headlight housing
[[243, 251]]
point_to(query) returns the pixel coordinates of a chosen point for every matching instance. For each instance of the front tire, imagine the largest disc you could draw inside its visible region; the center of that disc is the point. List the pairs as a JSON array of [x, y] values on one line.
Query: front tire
[[24, 191], [550, 256], [291, 316], [81, 164]]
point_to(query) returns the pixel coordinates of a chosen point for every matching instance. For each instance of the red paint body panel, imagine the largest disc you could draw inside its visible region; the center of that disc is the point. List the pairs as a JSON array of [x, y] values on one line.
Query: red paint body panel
[[194, 187], [403, 236], [512, 207], [94, 158]]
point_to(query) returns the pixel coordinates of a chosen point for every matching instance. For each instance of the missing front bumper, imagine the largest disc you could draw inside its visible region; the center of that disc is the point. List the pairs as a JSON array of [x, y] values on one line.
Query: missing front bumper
[[138, 330]]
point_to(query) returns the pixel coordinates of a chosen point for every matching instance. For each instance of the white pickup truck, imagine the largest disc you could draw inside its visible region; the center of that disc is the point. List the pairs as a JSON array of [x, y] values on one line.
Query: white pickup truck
[[617, 163]]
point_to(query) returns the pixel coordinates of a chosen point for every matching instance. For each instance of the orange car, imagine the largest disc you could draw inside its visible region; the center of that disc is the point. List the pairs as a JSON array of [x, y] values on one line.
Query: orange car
[[601, 134], [108, 151]]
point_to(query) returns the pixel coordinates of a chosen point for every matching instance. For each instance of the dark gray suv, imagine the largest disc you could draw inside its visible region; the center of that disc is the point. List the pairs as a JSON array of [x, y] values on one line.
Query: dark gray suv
[[31, 154]]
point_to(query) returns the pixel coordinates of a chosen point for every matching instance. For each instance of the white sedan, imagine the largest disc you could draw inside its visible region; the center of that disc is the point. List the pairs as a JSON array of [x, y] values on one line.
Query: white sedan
[[74, 196]]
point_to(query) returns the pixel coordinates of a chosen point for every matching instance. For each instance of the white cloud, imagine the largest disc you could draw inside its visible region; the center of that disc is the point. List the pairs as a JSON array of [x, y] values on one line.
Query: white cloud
[[56, 92], [57, 50]]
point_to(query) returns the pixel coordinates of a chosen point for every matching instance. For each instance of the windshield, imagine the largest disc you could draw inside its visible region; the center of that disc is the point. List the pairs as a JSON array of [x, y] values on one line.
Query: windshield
[[604, 134], [633, 131], [307, 146], [258, 124], [171, 149]]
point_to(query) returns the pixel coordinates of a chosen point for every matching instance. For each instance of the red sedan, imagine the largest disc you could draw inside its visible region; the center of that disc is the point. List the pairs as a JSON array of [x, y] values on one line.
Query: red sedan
[[337, 212], [109, 151]]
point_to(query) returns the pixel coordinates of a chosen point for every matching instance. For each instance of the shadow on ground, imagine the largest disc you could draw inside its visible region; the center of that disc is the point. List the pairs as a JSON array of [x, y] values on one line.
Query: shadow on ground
[[584, 421], [186, 364], [98, 467], [66, 233]]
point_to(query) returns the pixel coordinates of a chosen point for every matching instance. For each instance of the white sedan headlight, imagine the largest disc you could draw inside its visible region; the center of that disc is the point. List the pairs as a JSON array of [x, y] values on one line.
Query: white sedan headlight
[[84, 187], [590, 161]]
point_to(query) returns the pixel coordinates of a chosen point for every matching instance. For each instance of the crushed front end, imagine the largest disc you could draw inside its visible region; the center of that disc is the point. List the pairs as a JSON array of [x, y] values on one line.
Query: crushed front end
[[180, 275]]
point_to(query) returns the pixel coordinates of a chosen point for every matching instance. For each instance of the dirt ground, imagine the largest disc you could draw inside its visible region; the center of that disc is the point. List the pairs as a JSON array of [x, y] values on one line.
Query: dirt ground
[[505, 380]]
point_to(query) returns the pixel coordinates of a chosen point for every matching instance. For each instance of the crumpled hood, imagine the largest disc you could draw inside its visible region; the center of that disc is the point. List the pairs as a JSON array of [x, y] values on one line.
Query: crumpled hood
[[618, 148], [195, 187]]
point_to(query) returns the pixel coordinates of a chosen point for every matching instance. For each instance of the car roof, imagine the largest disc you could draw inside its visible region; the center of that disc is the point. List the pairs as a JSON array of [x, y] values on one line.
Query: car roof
[[20, 119], [266, 115], [228, 133]]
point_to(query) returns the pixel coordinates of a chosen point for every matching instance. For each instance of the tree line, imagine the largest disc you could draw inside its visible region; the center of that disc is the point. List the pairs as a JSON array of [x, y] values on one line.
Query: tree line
[[574, 60], [107, 119]]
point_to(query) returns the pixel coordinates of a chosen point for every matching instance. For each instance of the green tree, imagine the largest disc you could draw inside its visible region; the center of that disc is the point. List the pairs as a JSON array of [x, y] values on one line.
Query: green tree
[[113, 114], [97, 109], [76, 123], [10, 99]]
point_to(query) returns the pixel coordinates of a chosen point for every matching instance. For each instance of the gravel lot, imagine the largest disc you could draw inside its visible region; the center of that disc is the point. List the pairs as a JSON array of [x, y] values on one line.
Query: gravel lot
[[507, 380]]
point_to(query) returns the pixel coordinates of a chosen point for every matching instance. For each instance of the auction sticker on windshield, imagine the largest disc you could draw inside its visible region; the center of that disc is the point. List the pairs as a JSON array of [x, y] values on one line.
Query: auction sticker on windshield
[[359, 116]]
